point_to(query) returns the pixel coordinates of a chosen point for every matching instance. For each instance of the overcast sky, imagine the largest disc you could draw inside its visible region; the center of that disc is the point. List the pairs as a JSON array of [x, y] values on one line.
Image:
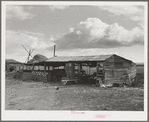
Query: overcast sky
[[76, 30]]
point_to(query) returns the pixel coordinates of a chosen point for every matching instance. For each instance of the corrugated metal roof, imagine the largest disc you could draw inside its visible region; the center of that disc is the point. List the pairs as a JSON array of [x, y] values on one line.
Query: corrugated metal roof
[[91, 58], [59, 59], [78, 58]]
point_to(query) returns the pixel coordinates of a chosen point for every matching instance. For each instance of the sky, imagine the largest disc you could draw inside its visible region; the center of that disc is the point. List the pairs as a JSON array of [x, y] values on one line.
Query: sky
[[76, 30]]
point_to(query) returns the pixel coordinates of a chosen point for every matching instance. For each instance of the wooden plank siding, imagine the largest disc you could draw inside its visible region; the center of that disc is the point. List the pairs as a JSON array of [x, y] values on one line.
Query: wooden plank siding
[[37, 76], [117, 69]]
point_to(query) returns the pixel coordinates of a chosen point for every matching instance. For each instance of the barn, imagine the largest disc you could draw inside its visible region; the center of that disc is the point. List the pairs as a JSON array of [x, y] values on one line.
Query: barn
[[106, 69]]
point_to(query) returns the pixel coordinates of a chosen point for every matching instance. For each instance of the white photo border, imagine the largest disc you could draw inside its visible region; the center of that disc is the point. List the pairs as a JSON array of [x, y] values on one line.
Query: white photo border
[[67, 115]]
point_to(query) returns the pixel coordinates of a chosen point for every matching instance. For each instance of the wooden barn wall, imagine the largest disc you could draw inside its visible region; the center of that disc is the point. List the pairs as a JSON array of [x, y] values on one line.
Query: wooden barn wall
[[14, 66], [116, 68], [40, 76], [27, 76], [37, 76]]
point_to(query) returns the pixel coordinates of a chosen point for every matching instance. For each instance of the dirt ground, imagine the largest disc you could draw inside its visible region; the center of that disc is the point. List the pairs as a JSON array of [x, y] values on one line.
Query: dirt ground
[[21, 95]]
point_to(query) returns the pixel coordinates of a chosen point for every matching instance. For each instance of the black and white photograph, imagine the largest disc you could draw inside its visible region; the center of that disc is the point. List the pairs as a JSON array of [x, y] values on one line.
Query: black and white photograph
[[74, 60]]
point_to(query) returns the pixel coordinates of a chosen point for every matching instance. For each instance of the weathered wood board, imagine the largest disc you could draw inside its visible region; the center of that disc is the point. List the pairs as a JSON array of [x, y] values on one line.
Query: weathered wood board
[[27, 76], [40, 76], [118, 70]]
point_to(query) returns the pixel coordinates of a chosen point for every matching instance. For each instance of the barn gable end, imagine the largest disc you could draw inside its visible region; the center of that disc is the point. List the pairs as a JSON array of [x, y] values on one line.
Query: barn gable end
[[117, 69]]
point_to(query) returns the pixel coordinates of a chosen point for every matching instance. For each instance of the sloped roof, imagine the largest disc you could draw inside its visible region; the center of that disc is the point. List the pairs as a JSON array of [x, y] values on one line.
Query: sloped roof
[[40, 57], [37, 58], [78, 58], [12, 61]]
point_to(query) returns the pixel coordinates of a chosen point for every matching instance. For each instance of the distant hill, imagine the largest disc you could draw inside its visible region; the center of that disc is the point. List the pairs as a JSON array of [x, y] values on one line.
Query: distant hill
[[12, 61], [140, 64]]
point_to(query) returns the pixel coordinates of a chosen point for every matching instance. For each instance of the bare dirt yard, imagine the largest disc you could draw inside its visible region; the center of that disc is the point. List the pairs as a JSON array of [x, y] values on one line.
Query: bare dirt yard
[[21, 95]]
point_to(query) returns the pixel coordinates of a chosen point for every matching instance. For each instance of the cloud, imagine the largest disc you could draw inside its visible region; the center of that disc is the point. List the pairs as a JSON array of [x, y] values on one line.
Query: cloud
[[93, 33], [17, 12], [71, 30], [61, 7], [15, 39], [135, 13], [32, 33]]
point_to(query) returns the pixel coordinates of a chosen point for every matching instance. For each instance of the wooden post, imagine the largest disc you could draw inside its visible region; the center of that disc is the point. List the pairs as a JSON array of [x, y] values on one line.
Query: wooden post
[[44, 72], [73, 69], [89, 70], [67, 70], [19, 67], [48, 74], [44, 67], [33, 74], [97, 69], [33, 68], [80, 66], [48, 68]]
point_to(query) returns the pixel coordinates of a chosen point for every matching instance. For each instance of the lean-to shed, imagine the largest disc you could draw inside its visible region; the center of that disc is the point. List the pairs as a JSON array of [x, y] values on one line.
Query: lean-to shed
[[111, 68]]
